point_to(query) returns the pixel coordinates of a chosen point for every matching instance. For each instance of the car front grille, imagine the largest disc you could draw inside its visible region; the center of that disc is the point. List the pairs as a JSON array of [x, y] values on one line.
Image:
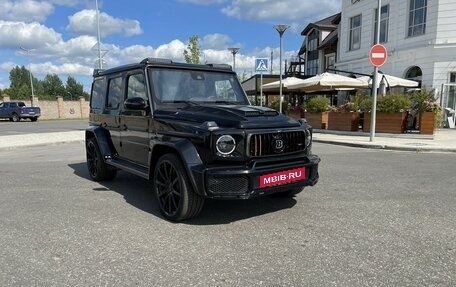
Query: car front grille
[[276, 143]]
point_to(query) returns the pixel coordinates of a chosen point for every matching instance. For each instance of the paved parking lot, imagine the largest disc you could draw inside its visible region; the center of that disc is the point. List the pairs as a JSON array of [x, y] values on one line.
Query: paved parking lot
[[376, 218]]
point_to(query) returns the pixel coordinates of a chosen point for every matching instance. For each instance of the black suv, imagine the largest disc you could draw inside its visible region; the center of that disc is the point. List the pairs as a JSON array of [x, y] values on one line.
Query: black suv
[[192, 131]]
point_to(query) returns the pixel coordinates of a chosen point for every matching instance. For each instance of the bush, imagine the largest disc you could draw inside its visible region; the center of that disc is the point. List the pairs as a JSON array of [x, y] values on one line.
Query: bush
[[276, 106], [425, 101], [317, 104], [393, 103], [359, 102]]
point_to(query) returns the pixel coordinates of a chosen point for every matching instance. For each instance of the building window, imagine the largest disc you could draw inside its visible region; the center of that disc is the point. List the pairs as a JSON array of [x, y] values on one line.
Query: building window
[[312, 67], [330, 61], [417, 18], [384, 19], [313, 42], [355, 33]]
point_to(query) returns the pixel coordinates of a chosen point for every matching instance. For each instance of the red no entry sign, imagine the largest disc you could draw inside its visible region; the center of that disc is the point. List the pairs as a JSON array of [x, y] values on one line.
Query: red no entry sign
[[378, 55]]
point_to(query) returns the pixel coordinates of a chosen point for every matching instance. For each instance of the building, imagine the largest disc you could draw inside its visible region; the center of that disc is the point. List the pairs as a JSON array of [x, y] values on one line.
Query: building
[[319, 47], [419, 35]]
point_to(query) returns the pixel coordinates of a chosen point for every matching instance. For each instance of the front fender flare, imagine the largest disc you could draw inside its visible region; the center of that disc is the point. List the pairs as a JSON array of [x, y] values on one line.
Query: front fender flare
[[189, 156], [103, 139]]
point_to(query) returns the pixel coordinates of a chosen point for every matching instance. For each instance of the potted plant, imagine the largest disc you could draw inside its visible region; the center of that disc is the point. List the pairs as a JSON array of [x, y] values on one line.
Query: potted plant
[[429, 111], [316, 112], [391, 114], [347, 116]]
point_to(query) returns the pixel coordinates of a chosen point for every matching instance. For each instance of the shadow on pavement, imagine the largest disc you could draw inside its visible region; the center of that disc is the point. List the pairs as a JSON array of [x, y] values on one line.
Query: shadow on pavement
[[137, 192]]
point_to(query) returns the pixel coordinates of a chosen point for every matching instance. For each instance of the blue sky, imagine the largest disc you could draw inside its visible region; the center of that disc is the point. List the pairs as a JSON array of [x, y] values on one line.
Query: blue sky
[[61, 34]]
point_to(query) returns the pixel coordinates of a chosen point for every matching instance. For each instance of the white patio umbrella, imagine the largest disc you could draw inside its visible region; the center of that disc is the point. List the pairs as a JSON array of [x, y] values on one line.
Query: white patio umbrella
[[327, 82], [285, 83], [391, 81]]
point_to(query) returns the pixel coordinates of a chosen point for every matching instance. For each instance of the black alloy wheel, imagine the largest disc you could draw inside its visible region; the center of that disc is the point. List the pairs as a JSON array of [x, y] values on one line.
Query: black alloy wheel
[[174, 193], [98, 169]]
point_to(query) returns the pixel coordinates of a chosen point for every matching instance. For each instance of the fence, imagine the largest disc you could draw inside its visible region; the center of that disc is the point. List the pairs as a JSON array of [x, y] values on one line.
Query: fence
[[59, 109]]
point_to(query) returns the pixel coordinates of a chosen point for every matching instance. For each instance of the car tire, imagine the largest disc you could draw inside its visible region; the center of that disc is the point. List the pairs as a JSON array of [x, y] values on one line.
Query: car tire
[[172, 188], [16, 118], [34, 119], [98, 169]]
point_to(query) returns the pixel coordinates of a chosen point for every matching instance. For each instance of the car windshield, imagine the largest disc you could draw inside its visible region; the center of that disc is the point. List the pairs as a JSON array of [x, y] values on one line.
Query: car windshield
[[195, 87]]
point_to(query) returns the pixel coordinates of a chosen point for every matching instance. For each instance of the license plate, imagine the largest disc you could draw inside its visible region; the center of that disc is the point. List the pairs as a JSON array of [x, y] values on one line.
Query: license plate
[[282, 177]]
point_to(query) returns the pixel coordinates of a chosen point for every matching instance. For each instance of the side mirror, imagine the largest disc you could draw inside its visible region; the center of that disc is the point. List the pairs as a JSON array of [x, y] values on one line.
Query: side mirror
[[135, 103]]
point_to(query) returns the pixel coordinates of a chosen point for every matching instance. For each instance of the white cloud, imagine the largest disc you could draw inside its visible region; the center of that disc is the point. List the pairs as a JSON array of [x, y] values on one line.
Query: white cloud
[[215, 41], [60, 69], [25, 10], [84, 23], [29, 35]]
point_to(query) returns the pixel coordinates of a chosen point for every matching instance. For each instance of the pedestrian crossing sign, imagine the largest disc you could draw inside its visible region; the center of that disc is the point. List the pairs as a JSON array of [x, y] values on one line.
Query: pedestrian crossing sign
[[261, 65]]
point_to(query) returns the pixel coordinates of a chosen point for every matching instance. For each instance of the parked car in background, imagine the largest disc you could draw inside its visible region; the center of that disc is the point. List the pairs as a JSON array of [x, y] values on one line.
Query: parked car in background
[[191, 130], [15, 111]]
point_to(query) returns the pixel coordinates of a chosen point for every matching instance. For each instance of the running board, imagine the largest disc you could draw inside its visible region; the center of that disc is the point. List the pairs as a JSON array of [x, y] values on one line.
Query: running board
[[129, 167]]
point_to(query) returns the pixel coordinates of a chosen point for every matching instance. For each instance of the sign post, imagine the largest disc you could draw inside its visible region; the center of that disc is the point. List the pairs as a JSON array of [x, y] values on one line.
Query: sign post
[[261, 65], [377, 57]]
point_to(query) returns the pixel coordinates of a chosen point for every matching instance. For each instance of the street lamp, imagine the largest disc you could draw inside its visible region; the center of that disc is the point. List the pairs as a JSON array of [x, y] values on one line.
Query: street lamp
[[281, 29], [234, 51], [30, 73], [100, 60]]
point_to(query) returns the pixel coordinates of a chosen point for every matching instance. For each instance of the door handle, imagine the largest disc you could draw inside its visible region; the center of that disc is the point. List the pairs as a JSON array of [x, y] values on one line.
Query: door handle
[[124, 127]]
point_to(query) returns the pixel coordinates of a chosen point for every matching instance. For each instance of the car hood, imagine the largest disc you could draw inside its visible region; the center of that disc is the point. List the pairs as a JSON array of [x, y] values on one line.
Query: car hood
[[228, 116]]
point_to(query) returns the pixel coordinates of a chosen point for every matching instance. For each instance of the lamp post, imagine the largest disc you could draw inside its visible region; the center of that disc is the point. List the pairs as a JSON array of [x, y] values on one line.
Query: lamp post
[[281, 29], [234, 52], [100, 60], [30, 74]]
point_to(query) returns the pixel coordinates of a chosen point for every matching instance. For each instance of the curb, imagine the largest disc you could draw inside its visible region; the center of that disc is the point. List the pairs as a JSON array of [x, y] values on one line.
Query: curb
[[40, 139], [388, 147]]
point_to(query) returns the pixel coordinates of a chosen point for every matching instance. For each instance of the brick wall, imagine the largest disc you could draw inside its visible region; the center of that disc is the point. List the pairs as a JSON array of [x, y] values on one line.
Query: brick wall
[[59, 109]]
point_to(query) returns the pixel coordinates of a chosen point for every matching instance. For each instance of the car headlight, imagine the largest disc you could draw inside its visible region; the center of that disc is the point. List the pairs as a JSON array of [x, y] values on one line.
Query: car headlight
[[308, 138], [225, 144]]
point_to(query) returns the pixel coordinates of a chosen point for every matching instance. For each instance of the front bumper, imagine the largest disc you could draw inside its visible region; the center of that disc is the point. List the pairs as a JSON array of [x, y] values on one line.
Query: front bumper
[[241, 182]]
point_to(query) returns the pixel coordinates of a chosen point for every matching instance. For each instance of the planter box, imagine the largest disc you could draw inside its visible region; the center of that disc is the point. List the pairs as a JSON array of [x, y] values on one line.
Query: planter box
[[295, 114], [393, 123], [345, 121], [427, 123], [317, 120]]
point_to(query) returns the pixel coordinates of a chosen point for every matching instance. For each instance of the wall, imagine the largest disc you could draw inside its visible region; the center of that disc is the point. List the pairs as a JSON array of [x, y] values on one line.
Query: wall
[[59, 109]]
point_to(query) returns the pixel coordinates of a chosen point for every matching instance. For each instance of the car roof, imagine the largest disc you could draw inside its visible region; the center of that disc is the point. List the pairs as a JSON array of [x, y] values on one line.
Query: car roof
[[163, 63]]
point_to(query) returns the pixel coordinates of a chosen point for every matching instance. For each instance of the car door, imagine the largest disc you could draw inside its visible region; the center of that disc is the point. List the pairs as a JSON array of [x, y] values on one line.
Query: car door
[[3, 110], [111, 113], [136, 125]]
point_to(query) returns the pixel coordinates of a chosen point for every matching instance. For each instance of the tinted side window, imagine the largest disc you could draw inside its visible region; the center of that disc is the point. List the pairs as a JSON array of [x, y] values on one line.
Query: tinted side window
[[97, 96], [136, 87], [115, 96]]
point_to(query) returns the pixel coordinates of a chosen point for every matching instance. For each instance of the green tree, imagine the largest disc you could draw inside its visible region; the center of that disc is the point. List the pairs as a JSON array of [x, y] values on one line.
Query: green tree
[[74, 90], [20, 77], [23, 93], [53, 86], [193, 52]]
